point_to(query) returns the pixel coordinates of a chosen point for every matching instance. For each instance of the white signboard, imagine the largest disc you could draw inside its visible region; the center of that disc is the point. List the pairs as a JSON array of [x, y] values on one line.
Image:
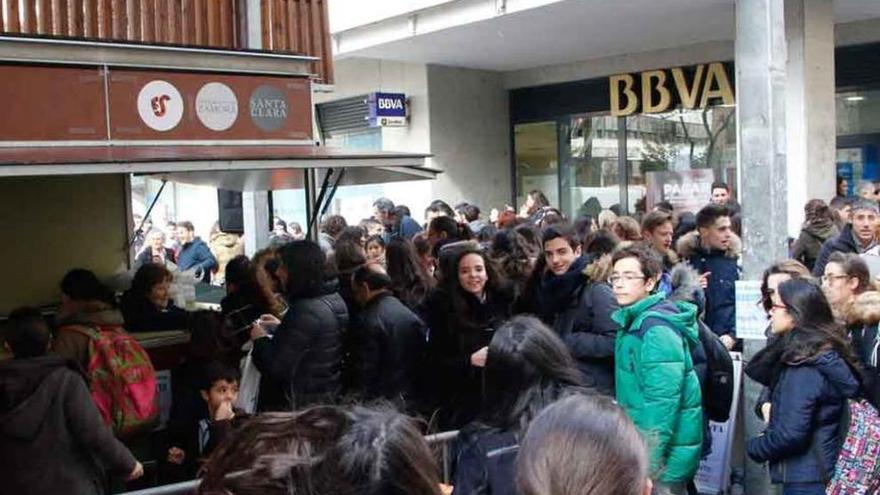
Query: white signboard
[[751, 321], [713, 477]]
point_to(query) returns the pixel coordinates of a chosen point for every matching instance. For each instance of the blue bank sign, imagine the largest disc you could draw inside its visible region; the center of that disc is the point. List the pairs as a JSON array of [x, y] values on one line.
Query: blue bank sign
[[387, 109]]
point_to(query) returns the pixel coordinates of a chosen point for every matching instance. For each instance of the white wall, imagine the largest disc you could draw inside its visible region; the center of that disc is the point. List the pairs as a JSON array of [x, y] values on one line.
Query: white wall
[[470, 137], [713, 51], [459, 116]]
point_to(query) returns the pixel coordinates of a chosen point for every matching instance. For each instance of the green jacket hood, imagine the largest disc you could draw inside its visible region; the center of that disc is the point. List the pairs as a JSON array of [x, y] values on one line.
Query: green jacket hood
[[680, 315]]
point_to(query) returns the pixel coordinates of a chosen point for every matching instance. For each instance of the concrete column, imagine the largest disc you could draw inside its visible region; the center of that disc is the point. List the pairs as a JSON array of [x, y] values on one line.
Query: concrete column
[[760, 89], [255, 212], [809, 94]]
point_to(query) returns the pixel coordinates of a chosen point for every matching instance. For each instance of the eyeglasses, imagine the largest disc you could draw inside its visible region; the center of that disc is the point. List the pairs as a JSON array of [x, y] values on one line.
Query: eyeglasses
[[829, 278], [626, 277]]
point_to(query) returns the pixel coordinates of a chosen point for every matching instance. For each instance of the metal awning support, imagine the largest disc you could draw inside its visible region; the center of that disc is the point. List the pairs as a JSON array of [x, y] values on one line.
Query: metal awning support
[[140, 228]]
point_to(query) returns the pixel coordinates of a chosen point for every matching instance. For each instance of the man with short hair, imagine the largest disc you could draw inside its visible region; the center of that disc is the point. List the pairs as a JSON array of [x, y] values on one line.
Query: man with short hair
[[52, 437], [194, 252], [572, 296], [382, 209], [437, 208], [858, 236], [397, 223], [868, 191], [842, 206], [390, 339], [721, 197], [331, 227], [657, 230], [656, 383], [713, 250]]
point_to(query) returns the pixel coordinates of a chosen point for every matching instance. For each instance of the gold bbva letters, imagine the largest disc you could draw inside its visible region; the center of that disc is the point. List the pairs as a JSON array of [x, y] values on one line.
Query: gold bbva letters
[[715, 85]]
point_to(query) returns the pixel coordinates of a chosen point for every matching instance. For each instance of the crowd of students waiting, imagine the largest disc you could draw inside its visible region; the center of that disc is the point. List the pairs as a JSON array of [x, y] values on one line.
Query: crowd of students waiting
[[566, 353]]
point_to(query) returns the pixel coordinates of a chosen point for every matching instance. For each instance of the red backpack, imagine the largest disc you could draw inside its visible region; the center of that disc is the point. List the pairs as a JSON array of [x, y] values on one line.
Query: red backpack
[[121, 379]]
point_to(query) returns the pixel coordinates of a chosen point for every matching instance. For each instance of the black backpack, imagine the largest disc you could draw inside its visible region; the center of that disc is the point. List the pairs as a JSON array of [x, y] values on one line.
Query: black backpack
[[716, 384], [717, 387]]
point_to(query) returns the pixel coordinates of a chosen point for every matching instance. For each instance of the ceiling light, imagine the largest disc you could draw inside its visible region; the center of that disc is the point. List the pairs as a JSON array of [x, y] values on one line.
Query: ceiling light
[[855, 98]]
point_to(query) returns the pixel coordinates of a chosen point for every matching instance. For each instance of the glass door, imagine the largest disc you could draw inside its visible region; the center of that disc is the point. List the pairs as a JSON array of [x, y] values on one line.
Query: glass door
[[537, 160]]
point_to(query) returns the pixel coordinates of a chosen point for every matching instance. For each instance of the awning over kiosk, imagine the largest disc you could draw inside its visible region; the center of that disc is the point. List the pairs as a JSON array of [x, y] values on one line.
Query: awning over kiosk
[[238, 167]]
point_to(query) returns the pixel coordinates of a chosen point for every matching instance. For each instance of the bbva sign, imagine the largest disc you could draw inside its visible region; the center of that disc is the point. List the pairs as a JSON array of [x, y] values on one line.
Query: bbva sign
[[709, 81]]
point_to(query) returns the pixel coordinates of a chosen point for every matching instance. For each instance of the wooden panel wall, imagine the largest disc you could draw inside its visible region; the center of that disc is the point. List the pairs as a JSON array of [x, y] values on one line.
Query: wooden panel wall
[[289, 26], [201, 23], [300, 26]]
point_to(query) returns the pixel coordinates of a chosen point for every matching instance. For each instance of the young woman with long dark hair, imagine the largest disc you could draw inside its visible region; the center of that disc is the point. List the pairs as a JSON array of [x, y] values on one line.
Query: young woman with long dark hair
[[462, 314], [302, 363], [324, 450], [411, 281], [811, 372], [247, 297], [527, 369], [583, 445]]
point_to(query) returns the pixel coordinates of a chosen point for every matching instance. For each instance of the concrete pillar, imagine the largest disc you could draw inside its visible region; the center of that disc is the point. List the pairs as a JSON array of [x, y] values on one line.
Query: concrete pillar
[[760, 89], [809, 94], [255, 212]]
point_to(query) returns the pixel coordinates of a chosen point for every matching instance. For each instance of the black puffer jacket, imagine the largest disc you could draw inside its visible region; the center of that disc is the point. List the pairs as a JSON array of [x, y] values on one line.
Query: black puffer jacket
[[843, 243], [453, 385], [302, 363], [389, 348], [52, 437], [578, 306], [486, 463]]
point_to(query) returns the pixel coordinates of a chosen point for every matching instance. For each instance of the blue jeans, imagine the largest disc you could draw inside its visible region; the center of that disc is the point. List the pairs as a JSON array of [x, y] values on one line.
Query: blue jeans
[[803, 489]]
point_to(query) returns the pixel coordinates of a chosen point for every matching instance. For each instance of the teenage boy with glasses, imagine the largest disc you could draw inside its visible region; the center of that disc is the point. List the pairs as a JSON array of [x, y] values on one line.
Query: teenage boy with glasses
[[656, 382]]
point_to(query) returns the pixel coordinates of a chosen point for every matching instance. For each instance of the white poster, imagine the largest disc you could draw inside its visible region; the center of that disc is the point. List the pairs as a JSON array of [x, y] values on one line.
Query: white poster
[[751, 320], [713, 477]]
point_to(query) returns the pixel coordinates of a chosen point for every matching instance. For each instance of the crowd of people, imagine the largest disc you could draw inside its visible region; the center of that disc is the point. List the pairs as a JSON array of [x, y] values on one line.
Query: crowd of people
[[572, 356]]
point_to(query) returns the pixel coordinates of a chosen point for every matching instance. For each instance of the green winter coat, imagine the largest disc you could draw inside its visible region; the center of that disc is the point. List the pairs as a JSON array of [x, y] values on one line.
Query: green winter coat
[[657, 385]]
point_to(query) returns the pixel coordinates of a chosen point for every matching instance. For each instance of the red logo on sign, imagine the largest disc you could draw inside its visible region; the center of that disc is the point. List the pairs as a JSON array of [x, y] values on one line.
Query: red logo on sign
[[158, 104]]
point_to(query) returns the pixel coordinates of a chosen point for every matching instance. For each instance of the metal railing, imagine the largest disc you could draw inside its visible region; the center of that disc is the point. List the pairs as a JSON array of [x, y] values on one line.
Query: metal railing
[[443, 440]]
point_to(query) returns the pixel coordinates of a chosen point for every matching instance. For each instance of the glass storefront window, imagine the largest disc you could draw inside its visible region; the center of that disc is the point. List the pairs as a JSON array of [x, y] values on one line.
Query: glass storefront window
[[858, 139], [858, 112], [590, 178], [675, 156], [537, 160]]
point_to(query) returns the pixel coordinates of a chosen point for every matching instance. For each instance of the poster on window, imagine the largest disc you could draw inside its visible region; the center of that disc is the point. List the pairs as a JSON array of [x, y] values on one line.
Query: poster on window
[[686, 190], [713, 476]]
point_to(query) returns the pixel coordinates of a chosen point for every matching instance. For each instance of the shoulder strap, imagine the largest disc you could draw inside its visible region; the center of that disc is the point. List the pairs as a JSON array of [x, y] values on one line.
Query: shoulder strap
[[92, 332]]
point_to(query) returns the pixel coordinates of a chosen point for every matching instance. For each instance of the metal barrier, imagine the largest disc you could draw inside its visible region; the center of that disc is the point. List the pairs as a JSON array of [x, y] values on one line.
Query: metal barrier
[[185, 488], [443, 439]]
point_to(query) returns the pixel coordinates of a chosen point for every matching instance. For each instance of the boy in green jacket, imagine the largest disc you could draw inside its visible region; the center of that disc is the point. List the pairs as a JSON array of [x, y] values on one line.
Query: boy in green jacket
[[655, 378]]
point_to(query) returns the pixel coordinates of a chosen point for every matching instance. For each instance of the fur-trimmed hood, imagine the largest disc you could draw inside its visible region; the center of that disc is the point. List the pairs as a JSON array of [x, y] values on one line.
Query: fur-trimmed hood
[[689, 245], [599, 268], [865, 309]]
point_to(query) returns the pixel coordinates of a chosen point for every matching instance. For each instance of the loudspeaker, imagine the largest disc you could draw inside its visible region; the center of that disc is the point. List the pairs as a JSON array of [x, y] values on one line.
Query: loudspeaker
[[230, 209]]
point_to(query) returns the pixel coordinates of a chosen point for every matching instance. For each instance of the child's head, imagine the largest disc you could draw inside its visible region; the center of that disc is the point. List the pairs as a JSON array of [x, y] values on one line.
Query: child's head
[[220, 385], [27, 334]]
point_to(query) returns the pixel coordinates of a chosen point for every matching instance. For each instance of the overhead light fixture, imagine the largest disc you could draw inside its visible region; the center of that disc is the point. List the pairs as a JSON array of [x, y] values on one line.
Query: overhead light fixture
[[855, 98]]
